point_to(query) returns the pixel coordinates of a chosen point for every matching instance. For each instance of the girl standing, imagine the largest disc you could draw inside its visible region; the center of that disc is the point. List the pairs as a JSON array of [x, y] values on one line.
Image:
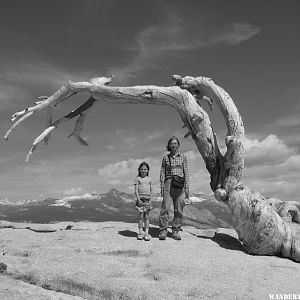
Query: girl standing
[[144, 194]]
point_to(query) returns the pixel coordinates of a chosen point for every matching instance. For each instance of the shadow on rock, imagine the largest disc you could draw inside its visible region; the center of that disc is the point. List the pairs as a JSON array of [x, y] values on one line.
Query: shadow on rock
[[40, 230], [224, 240], [153, 231], [127, 233]]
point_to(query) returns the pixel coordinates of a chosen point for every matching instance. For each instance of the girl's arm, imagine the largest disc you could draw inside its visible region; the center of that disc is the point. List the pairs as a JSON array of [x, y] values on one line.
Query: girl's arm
[[136, 185], [136, 193], [151, 190]]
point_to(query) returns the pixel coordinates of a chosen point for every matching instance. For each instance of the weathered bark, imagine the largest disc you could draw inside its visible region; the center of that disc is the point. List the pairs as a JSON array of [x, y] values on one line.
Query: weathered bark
[[232, 164], [261, 229]]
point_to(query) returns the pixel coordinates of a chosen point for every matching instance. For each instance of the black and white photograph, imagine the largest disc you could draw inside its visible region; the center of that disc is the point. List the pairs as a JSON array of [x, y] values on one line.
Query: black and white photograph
[[150, 150]]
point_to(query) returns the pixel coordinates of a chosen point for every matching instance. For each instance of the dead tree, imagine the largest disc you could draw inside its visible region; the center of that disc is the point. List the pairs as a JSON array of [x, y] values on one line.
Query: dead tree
[[265, 227]]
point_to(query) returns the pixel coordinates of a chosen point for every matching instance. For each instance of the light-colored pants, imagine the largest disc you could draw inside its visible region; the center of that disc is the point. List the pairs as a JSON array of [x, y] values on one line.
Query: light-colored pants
[[177, 196]]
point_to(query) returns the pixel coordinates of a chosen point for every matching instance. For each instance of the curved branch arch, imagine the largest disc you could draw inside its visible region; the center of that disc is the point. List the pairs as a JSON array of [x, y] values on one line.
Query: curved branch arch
[[261, 229]]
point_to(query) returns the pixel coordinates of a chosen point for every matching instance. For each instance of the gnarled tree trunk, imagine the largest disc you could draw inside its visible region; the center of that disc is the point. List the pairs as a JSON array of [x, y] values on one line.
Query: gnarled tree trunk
[[264, 227]]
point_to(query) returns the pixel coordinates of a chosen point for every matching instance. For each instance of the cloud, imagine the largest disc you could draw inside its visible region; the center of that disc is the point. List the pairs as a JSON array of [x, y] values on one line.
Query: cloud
[[117, 169], [72, 191], [177, 34], [268, 151], [143, 59], [133, 139], [37, 73], [114, 182], [21, 81], [272, 168], [121, 169], [199, 176], [177, 37], [123, 173], [292, 138], [279, 180], [235, 34], [288, 121], [9, 93], [110, 147]]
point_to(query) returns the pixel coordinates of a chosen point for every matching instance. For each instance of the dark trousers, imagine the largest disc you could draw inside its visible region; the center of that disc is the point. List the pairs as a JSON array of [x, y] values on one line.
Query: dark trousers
[[176, 196]]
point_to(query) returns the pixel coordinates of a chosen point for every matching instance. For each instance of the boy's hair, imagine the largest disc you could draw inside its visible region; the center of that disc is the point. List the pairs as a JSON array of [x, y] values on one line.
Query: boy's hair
[[173, 138], [142, 165]]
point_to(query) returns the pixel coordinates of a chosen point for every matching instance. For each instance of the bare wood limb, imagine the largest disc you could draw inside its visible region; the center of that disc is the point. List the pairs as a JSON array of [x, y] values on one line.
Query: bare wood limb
[[234, 158], [44, 136], [193, 116], [260, 228], [78, 128], [17, 123], [48, 122]]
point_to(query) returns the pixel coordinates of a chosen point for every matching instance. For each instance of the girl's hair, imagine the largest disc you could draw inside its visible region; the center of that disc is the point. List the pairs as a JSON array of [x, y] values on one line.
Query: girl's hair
[[142, 165], [173, 138]]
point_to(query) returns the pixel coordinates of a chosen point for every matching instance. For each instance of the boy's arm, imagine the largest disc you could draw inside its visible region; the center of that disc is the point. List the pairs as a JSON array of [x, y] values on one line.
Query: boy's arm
[[162, 174], [186, 177]]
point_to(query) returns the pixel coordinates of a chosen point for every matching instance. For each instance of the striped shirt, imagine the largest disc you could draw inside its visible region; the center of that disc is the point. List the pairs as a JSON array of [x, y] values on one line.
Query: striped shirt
[[144, 186], [178, 167]]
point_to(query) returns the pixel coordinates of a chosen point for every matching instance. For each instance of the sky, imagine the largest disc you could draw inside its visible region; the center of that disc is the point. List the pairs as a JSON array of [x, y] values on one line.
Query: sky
[[250, 48]]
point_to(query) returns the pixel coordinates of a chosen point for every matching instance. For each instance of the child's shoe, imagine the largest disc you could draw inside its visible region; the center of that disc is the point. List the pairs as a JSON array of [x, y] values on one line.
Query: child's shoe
[[147, 237], [140, 236]]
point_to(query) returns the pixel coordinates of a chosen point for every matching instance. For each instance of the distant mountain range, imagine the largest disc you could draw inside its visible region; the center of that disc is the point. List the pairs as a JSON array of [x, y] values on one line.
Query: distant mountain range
[[204, 211]]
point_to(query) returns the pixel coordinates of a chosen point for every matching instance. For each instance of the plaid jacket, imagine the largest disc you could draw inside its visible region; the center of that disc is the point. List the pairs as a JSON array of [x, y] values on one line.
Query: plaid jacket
[[178, 167]]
